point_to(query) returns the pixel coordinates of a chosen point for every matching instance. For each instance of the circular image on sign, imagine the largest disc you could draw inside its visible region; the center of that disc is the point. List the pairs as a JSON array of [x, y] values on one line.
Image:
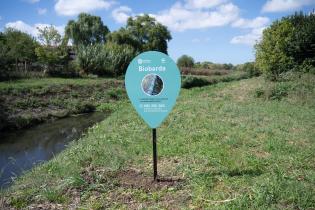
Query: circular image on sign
[[152, 84]]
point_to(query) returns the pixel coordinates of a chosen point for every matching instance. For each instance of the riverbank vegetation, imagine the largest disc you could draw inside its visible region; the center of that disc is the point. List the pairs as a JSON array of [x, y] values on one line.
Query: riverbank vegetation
[[225, 147], [245, 144], [25, 103]]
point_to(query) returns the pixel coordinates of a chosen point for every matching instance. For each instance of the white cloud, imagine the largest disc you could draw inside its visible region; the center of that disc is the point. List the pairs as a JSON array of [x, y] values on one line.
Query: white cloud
[[121, 14], [41, 11], [74, 7], [180, 18], [192, 14], [249, 39], [257, 25], [285, 5], [31, 29], [203, 4], [199, 14], [258, 22]]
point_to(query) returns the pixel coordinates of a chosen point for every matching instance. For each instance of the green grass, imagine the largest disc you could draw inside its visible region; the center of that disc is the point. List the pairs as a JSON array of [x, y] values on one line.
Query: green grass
[[24, 103], [44, 82], [190, 81], [232, 150]]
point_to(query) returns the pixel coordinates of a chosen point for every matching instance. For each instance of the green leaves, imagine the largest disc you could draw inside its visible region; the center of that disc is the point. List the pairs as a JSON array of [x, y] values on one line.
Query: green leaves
[[143, 33], [185, 61], [87, 30], [287, 44], [109, 59]]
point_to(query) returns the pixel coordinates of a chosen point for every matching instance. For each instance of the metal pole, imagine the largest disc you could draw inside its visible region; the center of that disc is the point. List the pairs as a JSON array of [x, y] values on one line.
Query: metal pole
[[154, 154]]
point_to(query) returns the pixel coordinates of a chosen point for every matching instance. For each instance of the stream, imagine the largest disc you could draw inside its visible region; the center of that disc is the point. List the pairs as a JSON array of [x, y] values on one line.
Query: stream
[[23, 149]]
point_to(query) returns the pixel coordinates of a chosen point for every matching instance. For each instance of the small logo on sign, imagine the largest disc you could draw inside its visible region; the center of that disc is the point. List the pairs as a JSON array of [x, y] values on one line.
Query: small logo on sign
[[143, 61]]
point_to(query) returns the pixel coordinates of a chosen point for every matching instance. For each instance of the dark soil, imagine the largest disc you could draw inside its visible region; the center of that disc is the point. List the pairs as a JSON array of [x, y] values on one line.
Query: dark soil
[[137, 180]]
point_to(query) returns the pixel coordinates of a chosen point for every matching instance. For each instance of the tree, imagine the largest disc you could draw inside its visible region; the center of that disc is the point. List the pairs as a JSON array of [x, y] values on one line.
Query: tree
[[52, 50], [20, 47], [287, 45], [87, 30], [302, 43], [143, 33], [4, 58], [271, 55], [185, 61]]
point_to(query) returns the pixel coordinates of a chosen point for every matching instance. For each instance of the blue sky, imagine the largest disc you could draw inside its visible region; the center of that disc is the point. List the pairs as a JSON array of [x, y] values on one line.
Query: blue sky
[[222, 31]]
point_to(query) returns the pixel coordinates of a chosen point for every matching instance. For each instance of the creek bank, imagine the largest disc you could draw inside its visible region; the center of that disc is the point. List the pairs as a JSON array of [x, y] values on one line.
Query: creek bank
[[23, 105]]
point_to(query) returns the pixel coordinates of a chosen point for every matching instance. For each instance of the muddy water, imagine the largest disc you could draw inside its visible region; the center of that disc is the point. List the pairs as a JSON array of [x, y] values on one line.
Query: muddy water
[[22, 150]]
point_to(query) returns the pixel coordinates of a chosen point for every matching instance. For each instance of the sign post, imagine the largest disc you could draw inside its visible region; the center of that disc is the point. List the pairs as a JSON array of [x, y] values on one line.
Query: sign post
[[153, 83], [155, 173]]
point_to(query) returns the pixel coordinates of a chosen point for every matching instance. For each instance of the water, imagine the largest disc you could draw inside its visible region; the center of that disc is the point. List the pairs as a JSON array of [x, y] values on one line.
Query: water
[[21, 150]]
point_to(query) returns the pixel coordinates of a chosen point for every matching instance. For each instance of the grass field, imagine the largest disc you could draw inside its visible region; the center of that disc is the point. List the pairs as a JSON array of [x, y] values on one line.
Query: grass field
[[224, 147]]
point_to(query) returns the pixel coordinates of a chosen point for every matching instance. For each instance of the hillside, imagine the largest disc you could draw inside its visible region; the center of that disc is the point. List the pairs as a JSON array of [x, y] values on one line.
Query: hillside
[[221, 147]]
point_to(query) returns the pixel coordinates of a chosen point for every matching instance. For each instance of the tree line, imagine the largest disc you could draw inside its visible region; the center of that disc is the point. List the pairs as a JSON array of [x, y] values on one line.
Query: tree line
[[87, 47], [287, 46]]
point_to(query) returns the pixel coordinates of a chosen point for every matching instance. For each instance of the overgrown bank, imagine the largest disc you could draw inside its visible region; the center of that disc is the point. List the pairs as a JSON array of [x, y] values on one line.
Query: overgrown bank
[[28, 102], [230, 149]]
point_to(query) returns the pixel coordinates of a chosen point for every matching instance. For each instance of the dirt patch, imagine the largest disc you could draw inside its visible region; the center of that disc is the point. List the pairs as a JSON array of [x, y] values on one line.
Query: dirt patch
[[137, 180]]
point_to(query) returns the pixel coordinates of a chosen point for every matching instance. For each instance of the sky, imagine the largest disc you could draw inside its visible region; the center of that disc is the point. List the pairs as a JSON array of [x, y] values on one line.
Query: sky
[[221, 31]]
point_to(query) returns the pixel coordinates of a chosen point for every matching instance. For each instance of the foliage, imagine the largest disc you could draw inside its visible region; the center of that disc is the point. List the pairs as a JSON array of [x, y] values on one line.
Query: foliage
[[33, 101], [302, 46], [87, 30], [213, 66], [247, 154], [185, 61], [20, 46], [110, 59], [52, 51], [118, 58], [287, 45], [143, 33], [91, 58], [4, 58], [249, 67], [199, 81], [297, 87]]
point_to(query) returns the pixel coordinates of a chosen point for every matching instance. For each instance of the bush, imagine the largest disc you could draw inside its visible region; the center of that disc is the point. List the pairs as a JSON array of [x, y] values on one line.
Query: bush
[[287, 45], [91, 59], [275, 91], [189, 82], [118, 58], [249, 67], [185, 61], [104, 60]]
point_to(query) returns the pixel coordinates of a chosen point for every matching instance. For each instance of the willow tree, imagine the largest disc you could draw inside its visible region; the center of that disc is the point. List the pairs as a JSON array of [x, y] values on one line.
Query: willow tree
[[87, 30]]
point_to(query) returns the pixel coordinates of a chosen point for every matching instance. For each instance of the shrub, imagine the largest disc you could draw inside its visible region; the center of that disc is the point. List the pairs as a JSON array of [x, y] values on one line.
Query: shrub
[[189, 82], [91, 59], [185, 61], [118, 58], [249, 67], [110, 59], [274, 91], [287, 45]]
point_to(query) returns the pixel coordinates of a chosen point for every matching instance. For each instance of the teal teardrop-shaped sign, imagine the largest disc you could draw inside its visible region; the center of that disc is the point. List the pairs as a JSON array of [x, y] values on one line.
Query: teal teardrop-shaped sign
[[153, 83]]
